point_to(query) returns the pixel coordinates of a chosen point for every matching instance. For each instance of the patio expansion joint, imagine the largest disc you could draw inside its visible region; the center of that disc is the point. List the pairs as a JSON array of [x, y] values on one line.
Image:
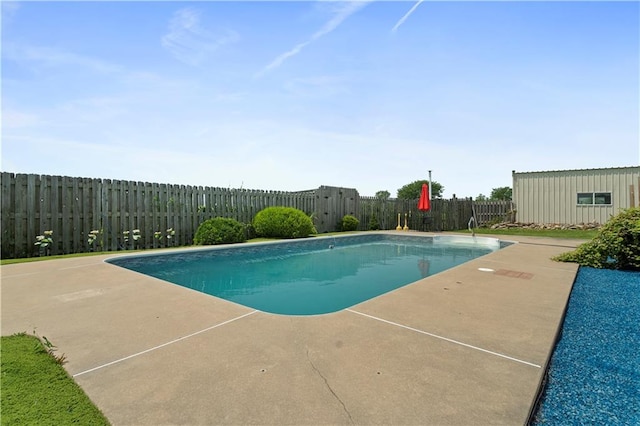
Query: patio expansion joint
[[326, 382], [164, 344], [446, 339]]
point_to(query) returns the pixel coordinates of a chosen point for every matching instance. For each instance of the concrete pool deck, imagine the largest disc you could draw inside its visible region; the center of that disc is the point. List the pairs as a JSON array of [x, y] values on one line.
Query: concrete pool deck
[[461, 347]]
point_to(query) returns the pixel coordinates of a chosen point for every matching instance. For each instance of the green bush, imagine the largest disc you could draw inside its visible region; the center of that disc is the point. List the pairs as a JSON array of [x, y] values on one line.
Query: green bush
[[350, 223], [220, 230], [374, 225], [616, 246], [283, 222]]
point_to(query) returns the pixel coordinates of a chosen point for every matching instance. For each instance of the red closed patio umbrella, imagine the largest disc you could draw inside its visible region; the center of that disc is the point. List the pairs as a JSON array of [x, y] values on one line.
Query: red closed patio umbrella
[[425, 203]]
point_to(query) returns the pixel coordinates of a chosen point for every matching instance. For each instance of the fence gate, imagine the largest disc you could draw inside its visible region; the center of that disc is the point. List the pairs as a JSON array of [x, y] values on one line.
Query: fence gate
[[332, 204]]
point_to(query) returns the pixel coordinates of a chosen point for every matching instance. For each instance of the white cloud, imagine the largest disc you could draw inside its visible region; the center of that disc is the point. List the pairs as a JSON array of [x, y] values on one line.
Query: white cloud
[[54, 57], [189, 42], [342, 12], [9, 9], [12, 119]]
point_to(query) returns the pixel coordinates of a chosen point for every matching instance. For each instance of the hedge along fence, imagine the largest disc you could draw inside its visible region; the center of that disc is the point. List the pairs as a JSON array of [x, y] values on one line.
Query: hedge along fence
[[73, 207]]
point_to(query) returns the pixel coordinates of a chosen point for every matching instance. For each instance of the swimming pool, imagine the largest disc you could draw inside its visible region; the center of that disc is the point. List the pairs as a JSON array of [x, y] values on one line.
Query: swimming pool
[[311, 276]]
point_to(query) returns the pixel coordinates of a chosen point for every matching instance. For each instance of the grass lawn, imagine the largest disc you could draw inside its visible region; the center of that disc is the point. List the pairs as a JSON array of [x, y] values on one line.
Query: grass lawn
[[37, 390], [553, 233], [58, 256]]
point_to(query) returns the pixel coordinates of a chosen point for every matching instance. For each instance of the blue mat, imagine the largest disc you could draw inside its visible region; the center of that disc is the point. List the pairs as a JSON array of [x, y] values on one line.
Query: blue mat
[[594, 375]]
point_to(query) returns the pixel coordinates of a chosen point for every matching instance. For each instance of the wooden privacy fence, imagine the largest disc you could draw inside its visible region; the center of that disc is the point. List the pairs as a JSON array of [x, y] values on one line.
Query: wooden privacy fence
[[490, 212], [444, 215], [73, 207]]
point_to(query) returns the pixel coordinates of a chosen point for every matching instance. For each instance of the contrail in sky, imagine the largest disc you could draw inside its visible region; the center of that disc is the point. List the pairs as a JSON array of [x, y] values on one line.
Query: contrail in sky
[[191, 43], [406, 15], [351, 8]]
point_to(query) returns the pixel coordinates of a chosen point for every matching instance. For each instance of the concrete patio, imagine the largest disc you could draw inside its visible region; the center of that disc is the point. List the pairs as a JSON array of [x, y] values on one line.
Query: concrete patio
[[462, 347]]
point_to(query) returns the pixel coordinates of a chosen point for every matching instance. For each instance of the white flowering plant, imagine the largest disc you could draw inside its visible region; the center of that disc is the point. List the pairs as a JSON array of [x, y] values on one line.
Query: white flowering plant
[[170, 233], [93, 236], [44, 241], [135, 235]]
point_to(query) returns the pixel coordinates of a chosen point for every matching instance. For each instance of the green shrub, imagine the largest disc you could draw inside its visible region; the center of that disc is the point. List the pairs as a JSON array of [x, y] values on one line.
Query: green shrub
[[283, 222], [374, 225], [616, 246], [250, 231], [350, 223], [220, 230]]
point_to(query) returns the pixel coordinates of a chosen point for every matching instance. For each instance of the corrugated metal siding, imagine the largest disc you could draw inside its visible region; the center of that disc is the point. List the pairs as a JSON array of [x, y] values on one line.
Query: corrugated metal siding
[[551, 197]]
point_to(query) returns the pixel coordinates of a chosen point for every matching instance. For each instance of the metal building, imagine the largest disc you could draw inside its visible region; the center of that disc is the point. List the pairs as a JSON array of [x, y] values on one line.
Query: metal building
[[575, 196]]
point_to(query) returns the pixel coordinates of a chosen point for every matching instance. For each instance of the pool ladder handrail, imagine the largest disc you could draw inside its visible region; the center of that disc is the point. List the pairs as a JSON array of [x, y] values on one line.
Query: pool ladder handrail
[[472, 219], [331, 246]]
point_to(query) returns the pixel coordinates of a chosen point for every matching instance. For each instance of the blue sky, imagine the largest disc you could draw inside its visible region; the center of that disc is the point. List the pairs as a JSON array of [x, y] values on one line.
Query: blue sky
[[293, 95]]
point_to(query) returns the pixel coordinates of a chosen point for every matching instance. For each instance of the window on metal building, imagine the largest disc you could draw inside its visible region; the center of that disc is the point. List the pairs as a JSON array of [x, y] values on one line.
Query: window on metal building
[[602, 197], [594, 198]]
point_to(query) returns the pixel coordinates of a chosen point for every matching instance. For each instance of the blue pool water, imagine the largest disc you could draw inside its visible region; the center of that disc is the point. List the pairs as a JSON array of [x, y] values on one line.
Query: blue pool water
[[594, 374], [311, 276]]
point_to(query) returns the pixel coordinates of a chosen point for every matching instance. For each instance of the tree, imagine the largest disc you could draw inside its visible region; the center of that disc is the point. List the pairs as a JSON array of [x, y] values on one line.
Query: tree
[[383, 195], [481, 197], [503, 193], [411, 191]]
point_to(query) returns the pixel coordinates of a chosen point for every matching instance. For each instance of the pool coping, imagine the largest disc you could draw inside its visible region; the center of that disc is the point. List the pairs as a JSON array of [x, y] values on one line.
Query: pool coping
[[338, 368], [284, 250]]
